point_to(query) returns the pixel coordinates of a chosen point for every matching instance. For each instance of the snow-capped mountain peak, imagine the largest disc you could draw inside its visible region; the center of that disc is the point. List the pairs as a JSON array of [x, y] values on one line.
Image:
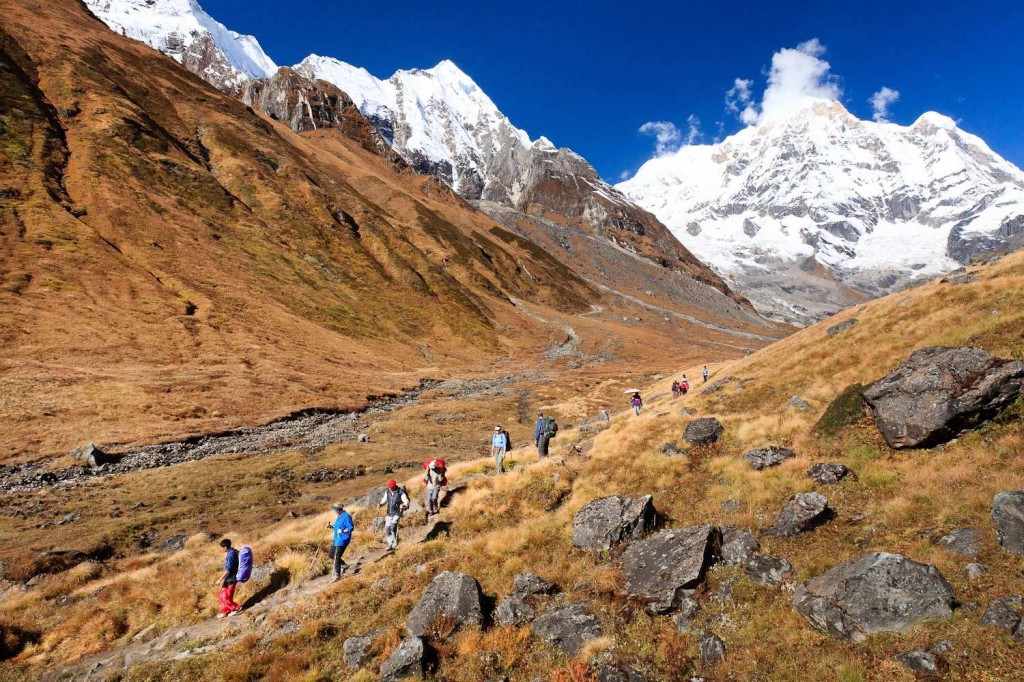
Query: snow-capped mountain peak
[[438, 118], [871, 205], [184, 31]]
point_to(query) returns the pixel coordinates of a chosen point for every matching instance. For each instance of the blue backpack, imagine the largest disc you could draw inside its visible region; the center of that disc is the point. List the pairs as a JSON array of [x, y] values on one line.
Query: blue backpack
[[244, 565]]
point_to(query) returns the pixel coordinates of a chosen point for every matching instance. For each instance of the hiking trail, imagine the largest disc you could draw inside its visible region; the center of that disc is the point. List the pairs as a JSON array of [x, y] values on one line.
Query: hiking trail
[[212, 634]]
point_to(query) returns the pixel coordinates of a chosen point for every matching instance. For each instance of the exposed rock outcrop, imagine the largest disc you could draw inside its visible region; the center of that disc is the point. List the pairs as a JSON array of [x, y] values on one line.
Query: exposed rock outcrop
[[610, 520], [406, 661], [738, 545], [663, 568], [1008, 515], [768, 456], [827, 473], [456, 596], [804, 512], [568, 627], [1006, 613], [938, 393], [703, 431], [880, 592]]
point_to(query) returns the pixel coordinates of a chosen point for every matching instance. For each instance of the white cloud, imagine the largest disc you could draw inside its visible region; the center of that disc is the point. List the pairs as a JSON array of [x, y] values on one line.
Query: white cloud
[[666, 135], [624, 175], [738, 100], [880, 102], [693, 133], [796, 74]]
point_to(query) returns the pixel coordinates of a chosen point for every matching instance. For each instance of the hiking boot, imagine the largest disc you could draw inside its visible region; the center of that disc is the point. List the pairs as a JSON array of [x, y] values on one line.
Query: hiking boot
[[234, 613], [222, 615]]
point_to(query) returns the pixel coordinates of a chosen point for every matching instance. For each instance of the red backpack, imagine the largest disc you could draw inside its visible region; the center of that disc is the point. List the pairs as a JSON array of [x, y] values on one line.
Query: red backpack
[[441, 469]]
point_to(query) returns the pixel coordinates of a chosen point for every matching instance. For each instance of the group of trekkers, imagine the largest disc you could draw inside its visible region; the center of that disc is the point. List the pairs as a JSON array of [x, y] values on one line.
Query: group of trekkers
[[395, 501]]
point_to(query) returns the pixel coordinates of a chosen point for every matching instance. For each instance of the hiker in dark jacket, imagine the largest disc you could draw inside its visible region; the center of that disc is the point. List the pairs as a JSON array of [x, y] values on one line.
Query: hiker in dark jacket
[[705, 373], [539, 430], [227, 581], [343, 528], [548, 431], [395, 501]]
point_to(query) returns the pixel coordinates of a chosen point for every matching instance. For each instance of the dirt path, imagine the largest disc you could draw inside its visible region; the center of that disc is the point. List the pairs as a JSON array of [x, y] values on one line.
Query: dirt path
[[217, 633]]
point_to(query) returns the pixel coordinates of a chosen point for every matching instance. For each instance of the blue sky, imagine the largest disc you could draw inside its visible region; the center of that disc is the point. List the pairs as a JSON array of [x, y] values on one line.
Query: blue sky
[[588, 75]]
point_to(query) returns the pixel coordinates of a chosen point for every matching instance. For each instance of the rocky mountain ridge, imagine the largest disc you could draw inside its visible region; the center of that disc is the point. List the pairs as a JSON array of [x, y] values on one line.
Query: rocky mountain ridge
[[813, 213]]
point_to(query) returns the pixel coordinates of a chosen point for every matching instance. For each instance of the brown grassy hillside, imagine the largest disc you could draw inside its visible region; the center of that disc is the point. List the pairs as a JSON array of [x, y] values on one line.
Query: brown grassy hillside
[[172, 262], [897, 501]]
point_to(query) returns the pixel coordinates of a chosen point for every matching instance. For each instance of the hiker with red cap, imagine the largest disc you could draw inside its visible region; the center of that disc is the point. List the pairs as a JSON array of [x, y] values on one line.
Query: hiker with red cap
[[395, 502], [434, 480]]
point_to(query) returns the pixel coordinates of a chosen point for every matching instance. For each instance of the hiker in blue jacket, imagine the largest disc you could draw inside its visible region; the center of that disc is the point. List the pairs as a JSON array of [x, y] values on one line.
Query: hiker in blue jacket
[[539, 431], [343, 528]]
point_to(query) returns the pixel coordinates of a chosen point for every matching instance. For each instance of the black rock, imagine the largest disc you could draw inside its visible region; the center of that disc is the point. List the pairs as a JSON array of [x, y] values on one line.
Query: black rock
[[712, 649], [827, 473], [455, 596], [1006, 613], [738, 545], [405, 661], [840, 327], [610, 520], [880, 592], [805, 512], [938, 393], [703, 431], [767, 570], [768, 456], [1008, 514], [568, 627], [665, 567], [962, 541]]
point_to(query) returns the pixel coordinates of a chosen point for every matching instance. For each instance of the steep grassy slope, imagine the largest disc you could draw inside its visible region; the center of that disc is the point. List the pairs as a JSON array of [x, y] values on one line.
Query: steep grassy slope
[[173, 263], [897, 501]]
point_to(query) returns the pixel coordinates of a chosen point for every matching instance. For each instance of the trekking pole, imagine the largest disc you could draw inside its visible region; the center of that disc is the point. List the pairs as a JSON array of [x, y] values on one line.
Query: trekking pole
[[317, 552]]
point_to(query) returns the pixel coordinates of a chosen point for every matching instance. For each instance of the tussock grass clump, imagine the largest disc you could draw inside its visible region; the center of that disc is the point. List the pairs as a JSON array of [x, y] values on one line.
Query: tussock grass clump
[[845, 410]]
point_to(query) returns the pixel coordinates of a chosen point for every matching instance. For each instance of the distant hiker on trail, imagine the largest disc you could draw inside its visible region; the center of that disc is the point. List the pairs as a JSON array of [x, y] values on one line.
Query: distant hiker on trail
[[705, 373], [547, 432], [676, 392], [343, 528], [684, 386], [395, 501], [538, 431], [499, 444], [637, 403], [227, 581], [434, 480]]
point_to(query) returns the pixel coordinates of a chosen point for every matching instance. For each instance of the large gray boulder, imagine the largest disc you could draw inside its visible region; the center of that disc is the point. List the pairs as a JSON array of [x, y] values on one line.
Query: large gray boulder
[[768, 456], [567, 628], [456, 596], [880, 592], [1006, 613], [664, 568], [1008, 514], [368, 500], [92, 457], [610, 520], [357, 649], [938, 393], [738, 545], [703, 431], [405, 661], [804, 512]]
